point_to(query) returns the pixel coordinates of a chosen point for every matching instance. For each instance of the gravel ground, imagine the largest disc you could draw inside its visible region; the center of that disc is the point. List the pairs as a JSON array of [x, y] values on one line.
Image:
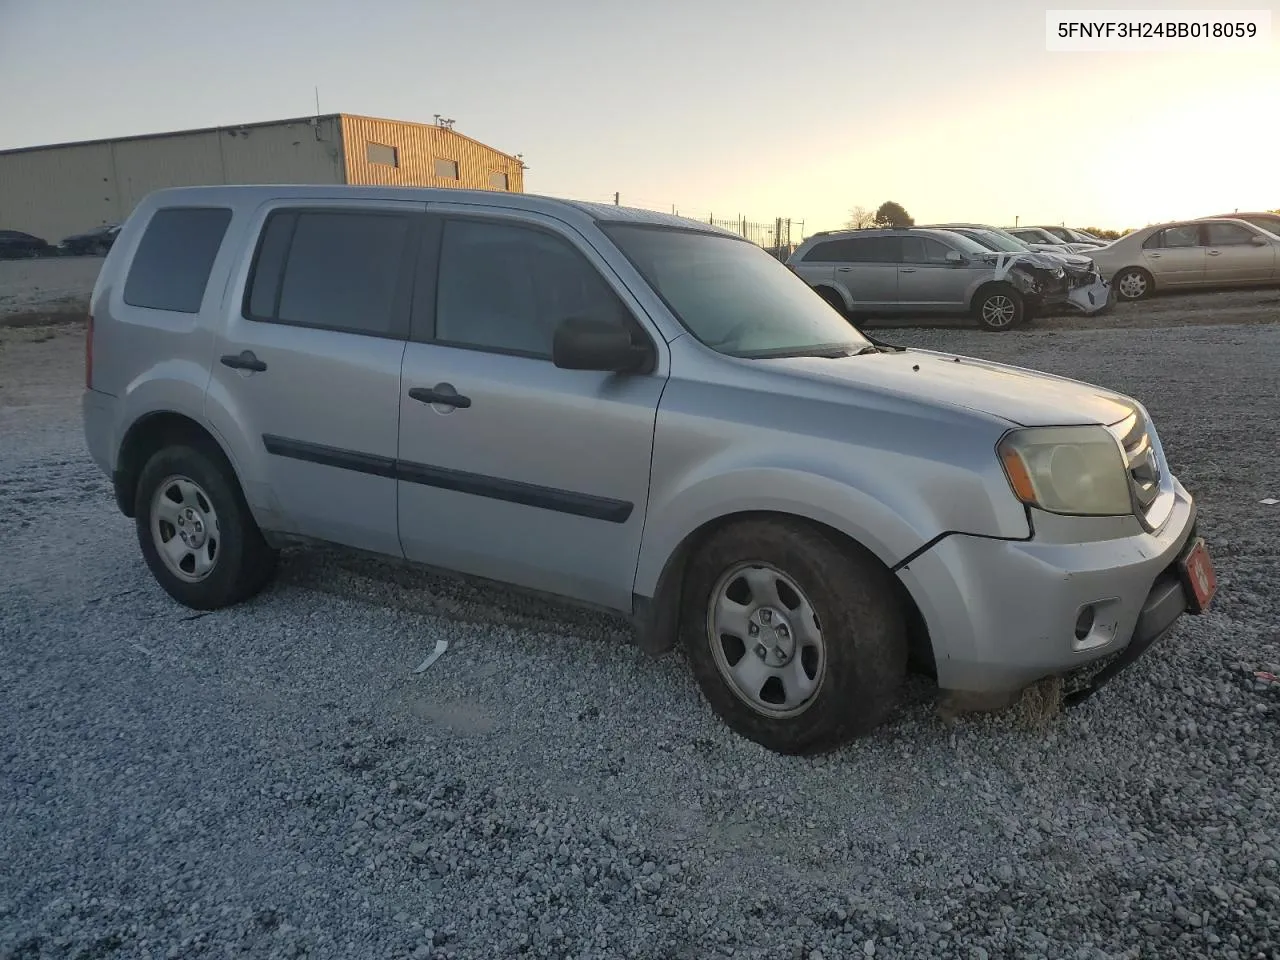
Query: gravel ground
[[33, 291], [274, 781]]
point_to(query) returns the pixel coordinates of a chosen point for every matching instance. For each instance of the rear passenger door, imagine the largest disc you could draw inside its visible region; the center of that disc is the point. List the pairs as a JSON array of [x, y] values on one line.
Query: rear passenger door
[[510, 467], [869, 272], [1176, 255], [308, 366]]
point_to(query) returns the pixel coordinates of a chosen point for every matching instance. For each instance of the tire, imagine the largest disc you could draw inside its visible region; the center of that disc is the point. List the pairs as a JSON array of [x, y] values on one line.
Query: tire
[[1139, 282], [998, 308], [833, 298], [223, 536], [856, 667]]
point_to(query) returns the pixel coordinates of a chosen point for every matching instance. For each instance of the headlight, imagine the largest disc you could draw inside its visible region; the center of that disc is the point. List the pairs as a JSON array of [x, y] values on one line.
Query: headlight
[[1072, 470]]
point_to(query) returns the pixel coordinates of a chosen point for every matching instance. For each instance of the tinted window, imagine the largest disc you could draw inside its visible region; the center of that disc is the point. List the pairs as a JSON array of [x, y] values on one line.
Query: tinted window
[[171, 266], [918, 249], [1227, 234], [1187, 235], [856, 250], [506, 288], [335, 270]]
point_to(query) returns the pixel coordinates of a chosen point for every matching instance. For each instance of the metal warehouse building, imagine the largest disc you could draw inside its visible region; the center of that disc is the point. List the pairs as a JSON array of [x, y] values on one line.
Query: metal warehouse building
[[57, 190]]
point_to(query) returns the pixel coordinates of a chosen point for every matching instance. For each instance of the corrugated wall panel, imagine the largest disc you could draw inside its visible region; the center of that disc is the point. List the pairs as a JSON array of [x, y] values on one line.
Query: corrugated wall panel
[[418, 146], [182, 161], [284, 153], [60, 191]]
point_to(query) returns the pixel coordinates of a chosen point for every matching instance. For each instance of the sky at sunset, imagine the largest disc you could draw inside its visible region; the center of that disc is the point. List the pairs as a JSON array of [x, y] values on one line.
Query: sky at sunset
[[766, 109]]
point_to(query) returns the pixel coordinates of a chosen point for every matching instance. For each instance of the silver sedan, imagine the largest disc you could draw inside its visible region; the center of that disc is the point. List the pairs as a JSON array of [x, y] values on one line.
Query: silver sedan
[[1189, 254]]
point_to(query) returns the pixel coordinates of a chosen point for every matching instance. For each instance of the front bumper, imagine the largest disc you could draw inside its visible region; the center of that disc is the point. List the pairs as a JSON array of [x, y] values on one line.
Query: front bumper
[[1002, 614]]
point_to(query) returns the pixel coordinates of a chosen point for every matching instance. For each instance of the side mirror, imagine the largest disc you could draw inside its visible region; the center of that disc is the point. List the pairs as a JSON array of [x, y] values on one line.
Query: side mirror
[[585, 343], [1258, 241], [953, 256]]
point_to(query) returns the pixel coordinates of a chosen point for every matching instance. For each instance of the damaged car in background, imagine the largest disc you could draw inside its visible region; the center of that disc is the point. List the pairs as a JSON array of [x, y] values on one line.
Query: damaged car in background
[[916, 271], [1090, 292]]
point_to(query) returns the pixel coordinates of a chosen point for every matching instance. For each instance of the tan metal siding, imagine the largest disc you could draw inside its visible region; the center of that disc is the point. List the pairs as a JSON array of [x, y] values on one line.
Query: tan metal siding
[[418, 145], [58, 191]]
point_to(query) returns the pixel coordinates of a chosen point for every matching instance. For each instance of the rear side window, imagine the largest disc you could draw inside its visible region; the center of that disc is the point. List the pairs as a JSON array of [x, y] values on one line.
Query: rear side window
[[336, 270], [170, 268]]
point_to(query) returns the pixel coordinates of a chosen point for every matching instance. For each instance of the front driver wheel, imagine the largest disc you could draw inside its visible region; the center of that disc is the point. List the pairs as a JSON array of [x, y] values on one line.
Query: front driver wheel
[[797, 642]]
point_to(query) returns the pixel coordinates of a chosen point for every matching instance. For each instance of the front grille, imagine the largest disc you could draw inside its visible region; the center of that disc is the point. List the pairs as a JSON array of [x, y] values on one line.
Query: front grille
[[1141, 460]]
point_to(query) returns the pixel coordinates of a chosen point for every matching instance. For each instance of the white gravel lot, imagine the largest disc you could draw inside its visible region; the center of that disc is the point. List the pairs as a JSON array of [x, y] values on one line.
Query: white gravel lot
[[273, 781]]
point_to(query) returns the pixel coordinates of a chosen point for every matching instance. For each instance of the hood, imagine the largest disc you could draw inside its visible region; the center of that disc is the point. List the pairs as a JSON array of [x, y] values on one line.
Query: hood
[[1023, 397]]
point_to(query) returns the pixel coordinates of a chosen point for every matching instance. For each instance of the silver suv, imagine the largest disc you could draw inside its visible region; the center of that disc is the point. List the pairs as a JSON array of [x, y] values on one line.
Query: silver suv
[[630, 410], [923, 271]]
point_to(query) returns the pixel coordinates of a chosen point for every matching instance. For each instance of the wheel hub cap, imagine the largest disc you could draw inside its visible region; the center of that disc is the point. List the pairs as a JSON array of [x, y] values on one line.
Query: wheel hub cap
[[766, 640], [184, 528], [775, 643]]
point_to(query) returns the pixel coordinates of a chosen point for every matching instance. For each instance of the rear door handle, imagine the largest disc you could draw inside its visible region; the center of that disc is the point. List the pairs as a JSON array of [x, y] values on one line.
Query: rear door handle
[[446, 398], [1215, 253], [906, 269], [844, 269], [244, 360]]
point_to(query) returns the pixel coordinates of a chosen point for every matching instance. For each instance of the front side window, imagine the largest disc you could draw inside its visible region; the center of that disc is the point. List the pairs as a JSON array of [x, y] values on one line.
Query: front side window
[[171, 266], [921, 249], [336, 270], [506, 288], [732, 295], [1227, 235]]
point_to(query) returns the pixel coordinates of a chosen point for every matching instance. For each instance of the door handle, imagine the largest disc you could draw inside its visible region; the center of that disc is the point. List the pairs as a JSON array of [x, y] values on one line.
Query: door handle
[[1154, 256], [906, 269], [244, 360], [1215, 253], [844, 269], [445, 398]]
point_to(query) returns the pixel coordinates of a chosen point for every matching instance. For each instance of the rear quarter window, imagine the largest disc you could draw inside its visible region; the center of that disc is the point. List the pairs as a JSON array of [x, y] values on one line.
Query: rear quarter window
[[170, 268]]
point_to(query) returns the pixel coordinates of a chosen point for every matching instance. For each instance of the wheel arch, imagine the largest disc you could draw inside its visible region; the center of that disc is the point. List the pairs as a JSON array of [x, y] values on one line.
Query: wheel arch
[[152, 432], [656, 617]]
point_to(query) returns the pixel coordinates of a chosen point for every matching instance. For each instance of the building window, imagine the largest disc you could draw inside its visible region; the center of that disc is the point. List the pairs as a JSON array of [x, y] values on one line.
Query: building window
[[498, 180], [381, 154], [446, 169]]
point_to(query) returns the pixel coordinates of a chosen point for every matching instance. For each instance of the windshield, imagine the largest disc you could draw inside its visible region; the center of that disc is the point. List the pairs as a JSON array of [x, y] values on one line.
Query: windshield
[[999, 241], [969, 245], [732, 296]]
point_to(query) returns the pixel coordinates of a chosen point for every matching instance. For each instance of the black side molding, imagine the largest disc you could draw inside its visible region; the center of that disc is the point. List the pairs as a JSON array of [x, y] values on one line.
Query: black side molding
[[329, 456], [514, 491], [476, 484]]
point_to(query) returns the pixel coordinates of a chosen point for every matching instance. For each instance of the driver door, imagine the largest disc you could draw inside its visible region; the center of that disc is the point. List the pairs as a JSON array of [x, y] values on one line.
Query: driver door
[[511, 468]]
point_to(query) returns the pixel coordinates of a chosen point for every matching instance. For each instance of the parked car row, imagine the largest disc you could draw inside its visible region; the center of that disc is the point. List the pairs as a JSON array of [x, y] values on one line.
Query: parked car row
[[948, 269], [16, 245]]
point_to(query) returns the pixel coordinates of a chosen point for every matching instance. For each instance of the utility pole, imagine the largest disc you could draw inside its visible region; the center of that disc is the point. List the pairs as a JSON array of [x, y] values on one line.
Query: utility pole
[[1015, 220], [317, 101], [615, 198]]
